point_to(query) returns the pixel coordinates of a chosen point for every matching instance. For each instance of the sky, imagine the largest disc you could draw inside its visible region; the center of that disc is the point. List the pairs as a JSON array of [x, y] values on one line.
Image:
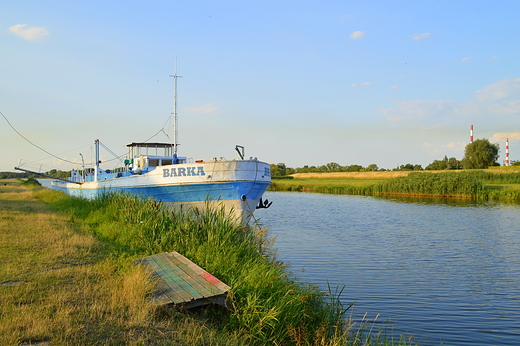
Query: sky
[[298, 82]]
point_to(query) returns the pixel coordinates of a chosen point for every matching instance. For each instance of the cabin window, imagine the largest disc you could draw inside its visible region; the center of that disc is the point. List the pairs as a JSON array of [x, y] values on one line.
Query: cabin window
[[153, 162]]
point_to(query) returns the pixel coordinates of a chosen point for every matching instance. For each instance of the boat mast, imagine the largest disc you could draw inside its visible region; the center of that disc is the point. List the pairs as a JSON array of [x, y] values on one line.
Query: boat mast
[[175, 108], [96, 146]]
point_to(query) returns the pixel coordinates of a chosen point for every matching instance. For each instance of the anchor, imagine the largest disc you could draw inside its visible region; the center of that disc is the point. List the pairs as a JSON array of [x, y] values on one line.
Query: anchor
[[263, 204]]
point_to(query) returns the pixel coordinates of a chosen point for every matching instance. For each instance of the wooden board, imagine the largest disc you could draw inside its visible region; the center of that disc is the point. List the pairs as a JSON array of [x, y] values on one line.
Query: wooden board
[[182, 282]]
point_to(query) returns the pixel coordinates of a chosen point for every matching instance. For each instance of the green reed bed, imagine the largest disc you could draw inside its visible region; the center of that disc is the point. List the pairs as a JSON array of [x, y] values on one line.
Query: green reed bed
[[327, 185], [495, 177], [434, 184], [475, 184], [268, 304]]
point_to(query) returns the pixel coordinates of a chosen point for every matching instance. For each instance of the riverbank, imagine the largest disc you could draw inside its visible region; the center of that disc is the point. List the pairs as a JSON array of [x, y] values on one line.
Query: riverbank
[[61, 285], [491, 184], [68, 278]]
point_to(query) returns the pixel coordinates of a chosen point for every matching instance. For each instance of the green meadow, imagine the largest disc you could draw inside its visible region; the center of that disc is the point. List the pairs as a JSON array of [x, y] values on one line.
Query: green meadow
[[68, 277], [476, 184]]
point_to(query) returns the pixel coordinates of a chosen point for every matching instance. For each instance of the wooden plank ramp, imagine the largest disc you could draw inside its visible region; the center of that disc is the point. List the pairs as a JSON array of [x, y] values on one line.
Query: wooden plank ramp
[[182, 282]]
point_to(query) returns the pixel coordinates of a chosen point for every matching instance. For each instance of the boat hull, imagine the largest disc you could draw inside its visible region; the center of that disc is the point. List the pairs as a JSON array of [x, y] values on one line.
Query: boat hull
[[237, 185]]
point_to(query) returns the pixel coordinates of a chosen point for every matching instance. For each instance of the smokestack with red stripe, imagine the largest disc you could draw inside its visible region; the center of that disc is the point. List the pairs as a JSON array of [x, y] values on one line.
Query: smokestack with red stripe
[[507, 151], [471, 133]]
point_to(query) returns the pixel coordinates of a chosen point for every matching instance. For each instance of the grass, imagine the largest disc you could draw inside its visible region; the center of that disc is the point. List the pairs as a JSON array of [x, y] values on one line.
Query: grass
[[492, 184], [68, 278], [60, 285], [350, 186]]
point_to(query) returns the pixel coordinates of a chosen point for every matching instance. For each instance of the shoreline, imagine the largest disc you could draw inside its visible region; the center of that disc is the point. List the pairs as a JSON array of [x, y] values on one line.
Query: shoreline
[[491, 184], [68, 277]]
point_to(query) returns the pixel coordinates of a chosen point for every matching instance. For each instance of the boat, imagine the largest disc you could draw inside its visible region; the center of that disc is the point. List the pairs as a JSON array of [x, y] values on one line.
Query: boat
[[155, 170], [151, 169]]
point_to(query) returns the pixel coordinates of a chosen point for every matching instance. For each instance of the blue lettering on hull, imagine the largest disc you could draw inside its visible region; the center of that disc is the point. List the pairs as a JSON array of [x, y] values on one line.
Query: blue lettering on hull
[[183, 172]]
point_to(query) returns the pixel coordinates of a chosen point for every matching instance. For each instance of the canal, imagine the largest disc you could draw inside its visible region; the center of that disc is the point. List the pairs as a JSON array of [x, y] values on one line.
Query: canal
[[446, 271]]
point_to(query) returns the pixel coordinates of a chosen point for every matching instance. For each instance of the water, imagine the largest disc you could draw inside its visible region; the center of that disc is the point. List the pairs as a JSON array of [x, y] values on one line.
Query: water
[[444, 271]]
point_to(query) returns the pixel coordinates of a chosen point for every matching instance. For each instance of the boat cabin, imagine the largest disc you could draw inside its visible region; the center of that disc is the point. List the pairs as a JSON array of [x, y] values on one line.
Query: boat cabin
[[148, 156]]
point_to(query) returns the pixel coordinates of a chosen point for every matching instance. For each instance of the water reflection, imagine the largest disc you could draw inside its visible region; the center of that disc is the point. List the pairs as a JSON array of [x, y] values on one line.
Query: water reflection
[[454, 202], [446, 271]]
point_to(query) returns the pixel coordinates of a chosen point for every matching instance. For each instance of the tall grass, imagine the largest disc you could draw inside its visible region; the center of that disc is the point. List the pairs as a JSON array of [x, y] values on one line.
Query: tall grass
[[435, 184], [492, 177], [267, 301], [475, 184], [83, 287], [59, 285]]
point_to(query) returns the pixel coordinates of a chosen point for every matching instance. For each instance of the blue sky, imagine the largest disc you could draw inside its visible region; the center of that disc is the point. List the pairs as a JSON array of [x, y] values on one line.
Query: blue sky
[[299, 82]]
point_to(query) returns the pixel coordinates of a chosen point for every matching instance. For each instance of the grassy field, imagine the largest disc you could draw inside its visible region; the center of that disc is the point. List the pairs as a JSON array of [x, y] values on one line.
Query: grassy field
[[59, 285], [496, 184], [68, 278]]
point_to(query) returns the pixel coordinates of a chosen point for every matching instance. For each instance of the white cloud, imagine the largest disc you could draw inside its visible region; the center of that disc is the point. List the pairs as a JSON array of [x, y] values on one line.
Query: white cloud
[[501, 137], [501, 98], [437, 150], [500, 90], [459, 145], [418, 37], [353, 84], [394, 87], [366, 84], [467, 59], [29, 33], [208, 109], [412, 111], [356, 35], [494, 57], [495, 100]]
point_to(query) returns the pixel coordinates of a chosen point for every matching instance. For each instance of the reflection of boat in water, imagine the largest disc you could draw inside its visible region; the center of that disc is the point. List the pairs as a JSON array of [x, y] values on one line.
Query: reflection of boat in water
[[154, 169]]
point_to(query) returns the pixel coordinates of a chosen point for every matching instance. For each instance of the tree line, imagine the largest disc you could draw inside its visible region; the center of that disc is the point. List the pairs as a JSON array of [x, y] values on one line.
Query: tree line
[[477, 155], [26, 175], [480, 154]]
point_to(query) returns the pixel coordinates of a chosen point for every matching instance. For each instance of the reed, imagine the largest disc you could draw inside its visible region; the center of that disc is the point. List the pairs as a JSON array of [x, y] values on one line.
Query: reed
[[475, 184], [60, 285], [100, 297], [267, 302], [434, 184], [490, 176]]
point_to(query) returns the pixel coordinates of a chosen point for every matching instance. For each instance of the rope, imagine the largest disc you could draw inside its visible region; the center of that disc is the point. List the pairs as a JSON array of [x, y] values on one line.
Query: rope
[[257, 223], [15, 130], [163, 131], [116, 157]]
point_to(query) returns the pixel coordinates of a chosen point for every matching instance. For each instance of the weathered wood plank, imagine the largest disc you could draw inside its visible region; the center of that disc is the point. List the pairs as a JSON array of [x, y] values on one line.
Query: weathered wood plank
[[195, 272], [180, 281], [162, 288], [190, 277], [176, 282], [201, 272], [213, 289]]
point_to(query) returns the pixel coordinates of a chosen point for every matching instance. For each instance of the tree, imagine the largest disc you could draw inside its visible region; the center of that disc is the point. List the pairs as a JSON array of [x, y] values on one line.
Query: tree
[[354, 168], [278, 170], [333, 167], [409, 167], [370, 168], [438, 165], [480, 154]]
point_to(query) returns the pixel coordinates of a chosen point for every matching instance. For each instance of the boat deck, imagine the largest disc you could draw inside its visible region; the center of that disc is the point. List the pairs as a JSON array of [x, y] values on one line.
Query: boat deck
[[182, 282]]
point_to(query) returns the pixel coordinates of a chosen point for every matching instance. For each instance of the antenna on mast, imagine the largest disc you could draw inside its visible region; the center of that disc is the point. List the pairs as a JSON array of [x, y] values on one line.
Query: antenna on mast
[[175, 108]]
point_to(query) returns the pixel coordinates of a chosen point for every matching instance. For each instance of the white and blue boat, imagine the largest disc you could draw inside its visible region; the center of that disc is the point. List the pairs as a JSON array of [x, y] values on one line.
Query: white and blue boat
[[152, 169], [155, 169]]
